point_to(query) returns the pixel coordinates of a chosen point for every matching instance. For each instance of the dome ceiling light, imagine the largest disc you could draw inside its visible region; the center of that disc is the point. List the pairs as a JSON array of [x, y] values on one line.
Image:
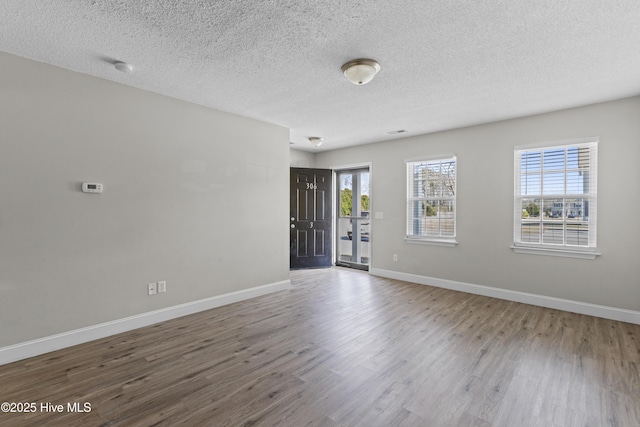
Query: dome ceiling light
[[123, 67], [316, 141], [360, 71]]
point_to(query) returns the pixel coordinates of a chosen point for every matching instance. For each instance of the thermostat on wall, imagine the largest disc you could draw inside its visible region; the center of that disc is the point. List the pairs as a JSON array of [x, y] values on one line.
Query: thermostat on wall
[[91, 187]]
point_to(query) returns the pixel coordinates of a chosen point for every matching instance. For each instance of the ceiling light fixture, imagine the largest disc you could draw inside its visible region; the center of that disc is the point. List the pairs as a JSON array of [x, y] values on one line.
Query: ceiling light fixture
[[123, 66], [316, 140], [360, 71]]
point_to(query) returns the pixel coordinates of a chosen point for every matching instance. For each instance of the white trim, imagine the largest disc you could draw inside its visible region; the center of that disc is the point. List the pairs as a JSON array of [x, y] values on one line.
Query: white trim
[[431, 158], [334, 198], [352, 166], [432, 242], [410, 198], [558, 144], [603, 311], [43, 345], [560, 252], [590, 197]]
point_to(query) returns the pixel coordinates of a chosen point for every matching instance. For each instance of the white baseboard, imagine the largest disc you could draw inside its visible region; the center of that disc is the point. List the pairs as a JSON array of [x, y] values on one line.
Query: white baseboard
[[40, 346], [603, 311]]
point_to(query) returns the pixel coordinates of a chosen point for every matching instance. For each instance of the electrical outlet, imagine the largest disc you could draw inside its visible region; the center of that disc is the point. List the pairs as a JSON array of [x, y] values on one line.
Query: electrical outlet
[[162, 286], [153, 288], [395, 257]]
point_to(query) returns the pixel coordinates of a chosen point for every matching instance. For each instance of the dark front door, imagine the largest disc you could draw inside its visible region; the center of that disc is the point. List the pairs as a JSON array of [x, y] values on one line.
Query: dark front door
[[310, 218]]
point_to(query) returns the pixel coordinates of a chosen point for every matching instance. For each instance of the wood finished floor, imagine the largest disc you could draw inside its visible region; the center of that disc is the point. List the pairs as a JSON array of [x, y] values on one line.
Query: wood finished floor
[[343, 348]]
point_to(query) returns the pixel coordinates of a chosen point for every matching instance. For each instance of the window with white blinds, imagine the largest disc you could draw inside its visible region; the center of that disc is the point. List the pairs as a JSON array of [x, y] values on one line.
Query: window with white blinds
[[431, 199], [555, 196]]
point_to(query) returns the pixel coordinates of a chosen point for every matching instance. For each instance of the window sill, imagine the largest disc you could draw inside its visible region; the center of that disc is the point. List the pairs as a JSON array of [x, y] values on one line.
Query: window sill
[[559, 252], [431, 242]]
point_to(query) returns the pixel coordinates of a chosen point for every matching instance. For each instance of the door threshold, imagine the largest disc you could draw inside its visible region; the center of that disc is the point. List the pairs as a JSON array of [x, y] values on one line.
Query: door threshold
[[352, 265]]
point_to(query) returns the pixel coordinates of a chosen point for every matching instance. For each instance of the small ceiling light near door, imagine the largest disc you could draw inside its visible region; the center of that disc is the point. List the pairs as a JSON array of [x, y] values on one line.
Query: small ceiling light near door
[[316, 140], [123, 67], [360, 71]]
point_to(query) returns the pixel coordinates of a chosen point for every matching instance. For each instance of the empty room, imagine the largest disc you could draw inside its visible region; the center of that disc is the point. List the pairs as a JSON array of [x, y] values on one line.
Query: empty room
[[336, 213]]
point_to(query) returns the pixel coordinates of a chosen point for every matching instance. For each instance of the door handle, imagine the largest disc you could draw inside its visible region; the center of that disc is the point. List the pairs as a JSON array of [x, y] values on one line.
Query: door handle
[[293, 226], [293, 219]]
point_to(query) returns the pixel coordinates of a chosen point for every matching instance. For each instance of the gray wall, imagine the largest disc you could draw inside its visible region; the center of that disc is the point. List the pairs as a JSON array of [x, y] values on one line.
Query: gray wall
[[301, 159], [193, 196], [485, 205]]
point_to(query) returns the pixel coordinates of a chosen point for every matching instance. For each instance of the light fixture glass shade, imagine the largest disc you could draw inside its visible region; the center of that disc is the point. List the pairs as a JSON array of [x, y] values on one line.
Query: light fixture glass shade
[[123, 67], [360, 71], [316, 140]]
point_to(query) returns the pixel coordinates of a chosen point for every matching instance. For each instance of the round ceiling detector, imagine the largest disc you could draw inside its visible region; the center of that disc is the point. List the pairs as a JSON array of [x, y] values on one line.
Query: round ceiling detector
[[360, 71], [123, 66], [316, 140]]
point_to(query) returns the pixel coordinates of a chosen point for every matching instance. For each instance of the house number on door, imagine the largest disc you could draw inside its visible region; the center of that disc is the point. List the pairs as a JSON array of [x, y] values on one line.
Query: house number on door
[[312, 186]]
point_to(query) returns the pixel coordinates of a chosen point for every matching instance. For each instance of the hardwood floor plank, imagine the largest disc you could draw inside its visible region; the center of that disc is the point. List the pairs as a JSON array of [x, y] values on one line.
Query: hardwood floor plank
[[343, 348]]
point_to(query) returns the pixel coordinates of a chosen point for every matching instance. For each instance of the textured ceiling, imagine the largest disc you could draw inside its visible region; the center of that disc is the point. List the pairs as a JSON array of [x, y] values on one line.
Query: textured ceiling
[[445, 63]]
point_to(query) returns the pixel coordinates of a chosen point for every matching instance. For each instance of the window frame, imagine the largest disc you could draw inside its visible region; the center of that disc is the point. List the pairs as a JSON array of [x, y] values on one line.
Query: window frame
[[588, 251], [440, 240]]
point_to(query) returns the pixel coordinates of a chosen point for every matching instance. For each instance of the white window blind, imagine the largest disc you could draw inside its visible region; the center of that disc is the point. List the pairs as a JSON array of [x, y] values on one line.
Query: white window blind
[[431, 199], [555, 195]]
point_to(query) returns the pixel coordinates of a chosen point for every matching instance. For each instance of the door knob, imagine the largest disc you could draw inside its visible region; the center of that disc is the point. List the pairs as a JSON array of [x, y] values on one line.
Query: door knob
[[293, 219], [293, 226]]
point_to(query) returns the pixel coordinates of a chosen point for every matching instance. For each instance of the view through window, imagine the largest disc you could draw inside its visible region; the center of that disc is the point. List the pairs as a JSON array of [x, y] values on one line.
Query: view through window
[[431, 199], [555, 201]]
